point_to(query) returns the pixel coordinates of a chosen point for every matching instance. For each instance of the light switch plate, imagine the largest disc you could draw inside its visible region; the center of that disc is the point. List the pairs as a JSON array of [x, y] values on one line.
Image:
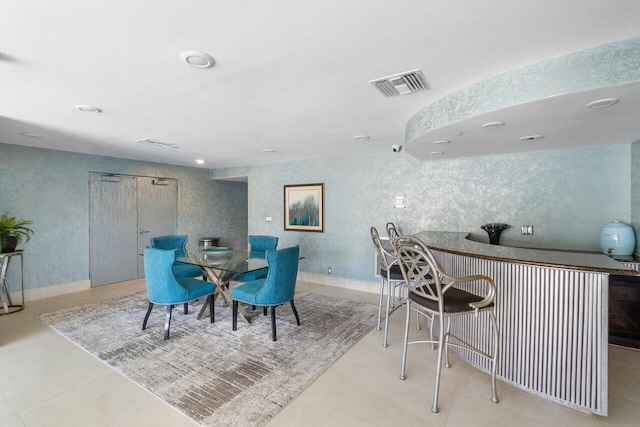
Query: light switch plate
[[527, 230]]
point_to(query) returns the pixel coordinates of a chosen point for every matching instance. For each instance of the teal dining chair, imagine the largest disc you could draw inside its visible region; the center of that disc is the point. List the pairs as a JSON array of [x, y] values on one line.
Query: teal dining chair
[[258, 246], [164, 288], [179, 243], [274, 290]]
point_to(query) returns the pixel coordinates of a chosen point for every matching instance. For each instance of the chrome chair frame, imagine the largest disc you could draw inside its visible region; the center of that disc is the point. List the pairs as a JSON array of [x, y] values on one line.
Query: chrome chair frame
[[392, 232], [388, 261], [427, 281]]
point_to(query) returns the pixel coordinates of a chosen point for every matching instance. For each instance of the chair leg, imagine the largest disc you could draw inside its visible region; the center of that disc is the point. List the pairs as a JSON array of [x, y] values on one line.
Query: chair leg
[[441, 348], [146, 317], [211, 310], [264, 311], [494, 393], [273, 323], [295, 312], [390, 294], [167, 322], [234, 316], [433, 346], [380, 302], [186, 308], [446, 344], [395, 295], [406, 341]]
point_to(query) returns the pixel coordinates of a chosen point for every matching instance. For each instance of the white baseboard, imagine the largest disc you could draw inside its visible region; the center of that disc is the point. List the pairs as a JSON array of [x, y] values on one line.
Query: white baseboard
[[83, 285], [52, 291], [340, 282]]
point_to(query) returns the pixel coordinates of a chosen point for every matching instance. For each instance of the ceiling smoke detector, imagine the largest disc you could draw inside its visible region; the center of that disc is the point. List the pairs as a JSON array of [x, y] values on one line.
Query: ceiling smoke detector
[[401, 84], [156, 143]]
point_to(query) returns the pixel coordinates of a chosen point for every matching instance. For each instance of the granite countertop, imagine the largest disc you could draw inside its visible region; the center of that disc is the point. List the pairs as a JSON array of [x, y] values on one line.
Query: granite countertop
[[458, 243]]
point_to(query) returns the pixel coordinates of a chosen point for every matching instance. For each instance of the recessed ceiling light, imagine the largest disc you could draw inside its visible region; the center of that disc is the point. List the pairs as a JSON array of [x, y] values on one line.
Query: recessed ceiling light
[[492, 125], [442, 141], [436, 153], [30, 135], [268, 150], [197, 59], [87, 108], [362, 137], [457, 133], [531, 138], [602, 103], [200, 162]]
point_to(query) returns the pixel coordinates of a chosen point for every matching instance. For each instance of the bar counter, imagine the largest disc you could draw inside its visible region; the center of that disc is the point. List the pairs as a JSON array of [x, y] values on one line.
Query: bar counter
[[459, 243], [552, 312]]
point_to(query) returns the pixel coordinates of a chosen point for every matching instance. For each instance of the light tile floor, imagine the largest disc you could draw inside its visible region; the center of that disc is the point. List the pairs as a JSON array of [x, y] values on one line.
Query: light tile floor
[[47, 381]]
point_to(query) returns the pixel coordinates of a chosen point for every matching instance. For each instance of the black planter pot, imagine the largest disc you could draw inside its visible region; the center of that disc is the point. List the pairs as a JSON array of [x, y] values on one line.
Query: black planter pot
[[10, 243]]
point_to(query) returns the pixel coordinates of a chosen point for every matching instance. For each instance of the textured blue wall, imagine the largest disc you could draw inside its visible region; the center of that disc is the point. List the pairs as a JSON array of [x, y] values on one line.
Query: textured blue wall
[[51, 189], [567, 195]]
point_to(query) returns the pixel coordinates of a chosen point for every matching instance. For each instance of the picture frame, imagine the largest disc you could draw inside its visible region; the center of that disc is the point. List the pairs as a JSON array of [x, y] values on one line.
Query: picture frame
[[304, 207]]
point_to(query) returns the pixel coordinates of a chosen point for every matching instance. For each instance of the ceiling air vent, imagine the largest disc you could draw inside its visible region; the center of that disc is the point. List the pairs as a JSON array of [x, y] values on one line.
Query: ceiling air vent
[[156, 143], [401, 84]]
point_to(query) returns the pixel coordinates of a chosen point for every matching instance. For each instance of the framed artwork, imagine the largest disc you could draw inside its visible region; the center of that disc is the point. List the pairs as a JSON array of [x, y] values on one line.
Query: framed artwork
[[304, 207]]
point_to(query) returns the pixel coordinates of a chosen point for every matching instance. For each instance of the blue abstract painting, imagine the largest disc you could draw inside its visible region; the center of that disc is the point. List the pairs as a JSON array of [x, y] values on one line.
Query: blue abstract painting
[[304, 207]]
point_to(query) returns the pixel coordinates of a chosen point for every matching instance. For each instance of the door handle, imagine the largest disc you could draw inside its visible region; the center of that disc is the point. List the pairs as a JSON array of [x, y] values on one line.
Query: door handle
[[141, 231]]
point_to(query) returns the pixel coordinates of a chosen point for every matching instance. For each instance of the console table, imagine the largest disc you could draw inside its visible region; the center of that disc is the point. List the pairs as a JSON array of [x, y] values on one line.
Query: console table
[[5, 292]]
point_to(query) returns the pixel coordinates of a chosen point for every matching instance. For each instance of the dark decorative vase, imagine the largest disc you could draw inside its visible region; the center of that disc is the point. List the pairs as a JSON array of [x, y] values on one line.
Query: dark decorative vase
[[10, 243], [494, 230]]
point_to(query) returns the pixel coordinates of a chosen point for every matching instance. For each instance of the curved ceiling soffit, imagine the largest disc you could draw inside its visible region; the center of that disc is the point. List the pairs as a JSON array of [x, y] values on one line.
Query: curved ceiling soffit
[[598, 67]]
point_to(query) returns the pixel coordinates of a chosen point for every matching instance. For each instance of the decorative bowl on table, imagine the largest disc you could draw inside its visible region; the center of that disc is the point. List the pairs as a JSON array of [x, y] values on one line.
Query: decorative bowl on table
[[215, 249]]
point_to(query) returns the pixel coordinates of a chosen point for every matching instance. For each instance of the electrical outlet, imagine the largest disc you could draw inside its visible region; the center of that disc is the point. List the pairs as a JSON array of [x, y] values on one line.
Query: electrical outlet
[[329, 270], [527, 230], [268, 219]]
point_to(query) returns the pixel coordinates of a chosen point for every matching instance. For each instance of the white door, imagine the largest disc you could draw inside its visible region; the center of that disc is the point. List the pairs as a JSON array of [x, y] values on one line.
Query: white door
[[157, 212], [124, 212]]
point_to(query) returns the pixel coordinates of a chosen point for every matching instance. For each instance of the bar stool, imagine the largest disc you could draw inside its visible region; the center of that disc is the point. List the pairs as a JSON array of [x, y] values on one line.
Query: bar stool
[[431, 293], [390, 275]]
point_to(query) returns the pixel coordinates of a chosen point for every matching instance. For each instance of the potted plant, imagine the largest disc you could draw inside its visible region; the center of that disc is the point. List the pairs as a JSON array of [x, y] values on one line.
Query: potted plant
[[12, 231]]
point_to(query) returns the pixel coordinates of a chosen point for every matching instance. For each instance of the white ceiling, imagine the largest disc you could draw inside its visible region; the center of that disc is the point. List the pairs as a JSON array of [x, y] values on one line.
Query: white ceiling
[[289, 75]]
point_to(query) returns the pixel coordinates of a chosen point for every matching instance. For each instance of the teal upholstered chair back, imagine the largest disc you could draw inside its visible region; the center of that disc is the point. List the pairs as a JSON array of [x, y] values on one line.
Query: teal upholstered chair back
[[179, 245], [280, 284], [258, 245], [170, 242], [162, 286]]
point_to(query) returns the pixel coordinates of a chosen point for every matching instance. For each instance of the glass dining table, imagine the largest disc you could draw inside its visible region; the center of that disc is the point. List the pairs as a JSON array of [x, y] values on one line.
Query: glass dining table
[[221, 265]]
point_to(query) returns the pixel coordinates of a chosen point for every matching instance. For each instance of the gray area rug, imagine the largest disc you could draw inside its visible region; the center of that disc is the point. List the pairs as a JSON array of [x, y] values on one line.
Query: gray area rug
[[215, 375]]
